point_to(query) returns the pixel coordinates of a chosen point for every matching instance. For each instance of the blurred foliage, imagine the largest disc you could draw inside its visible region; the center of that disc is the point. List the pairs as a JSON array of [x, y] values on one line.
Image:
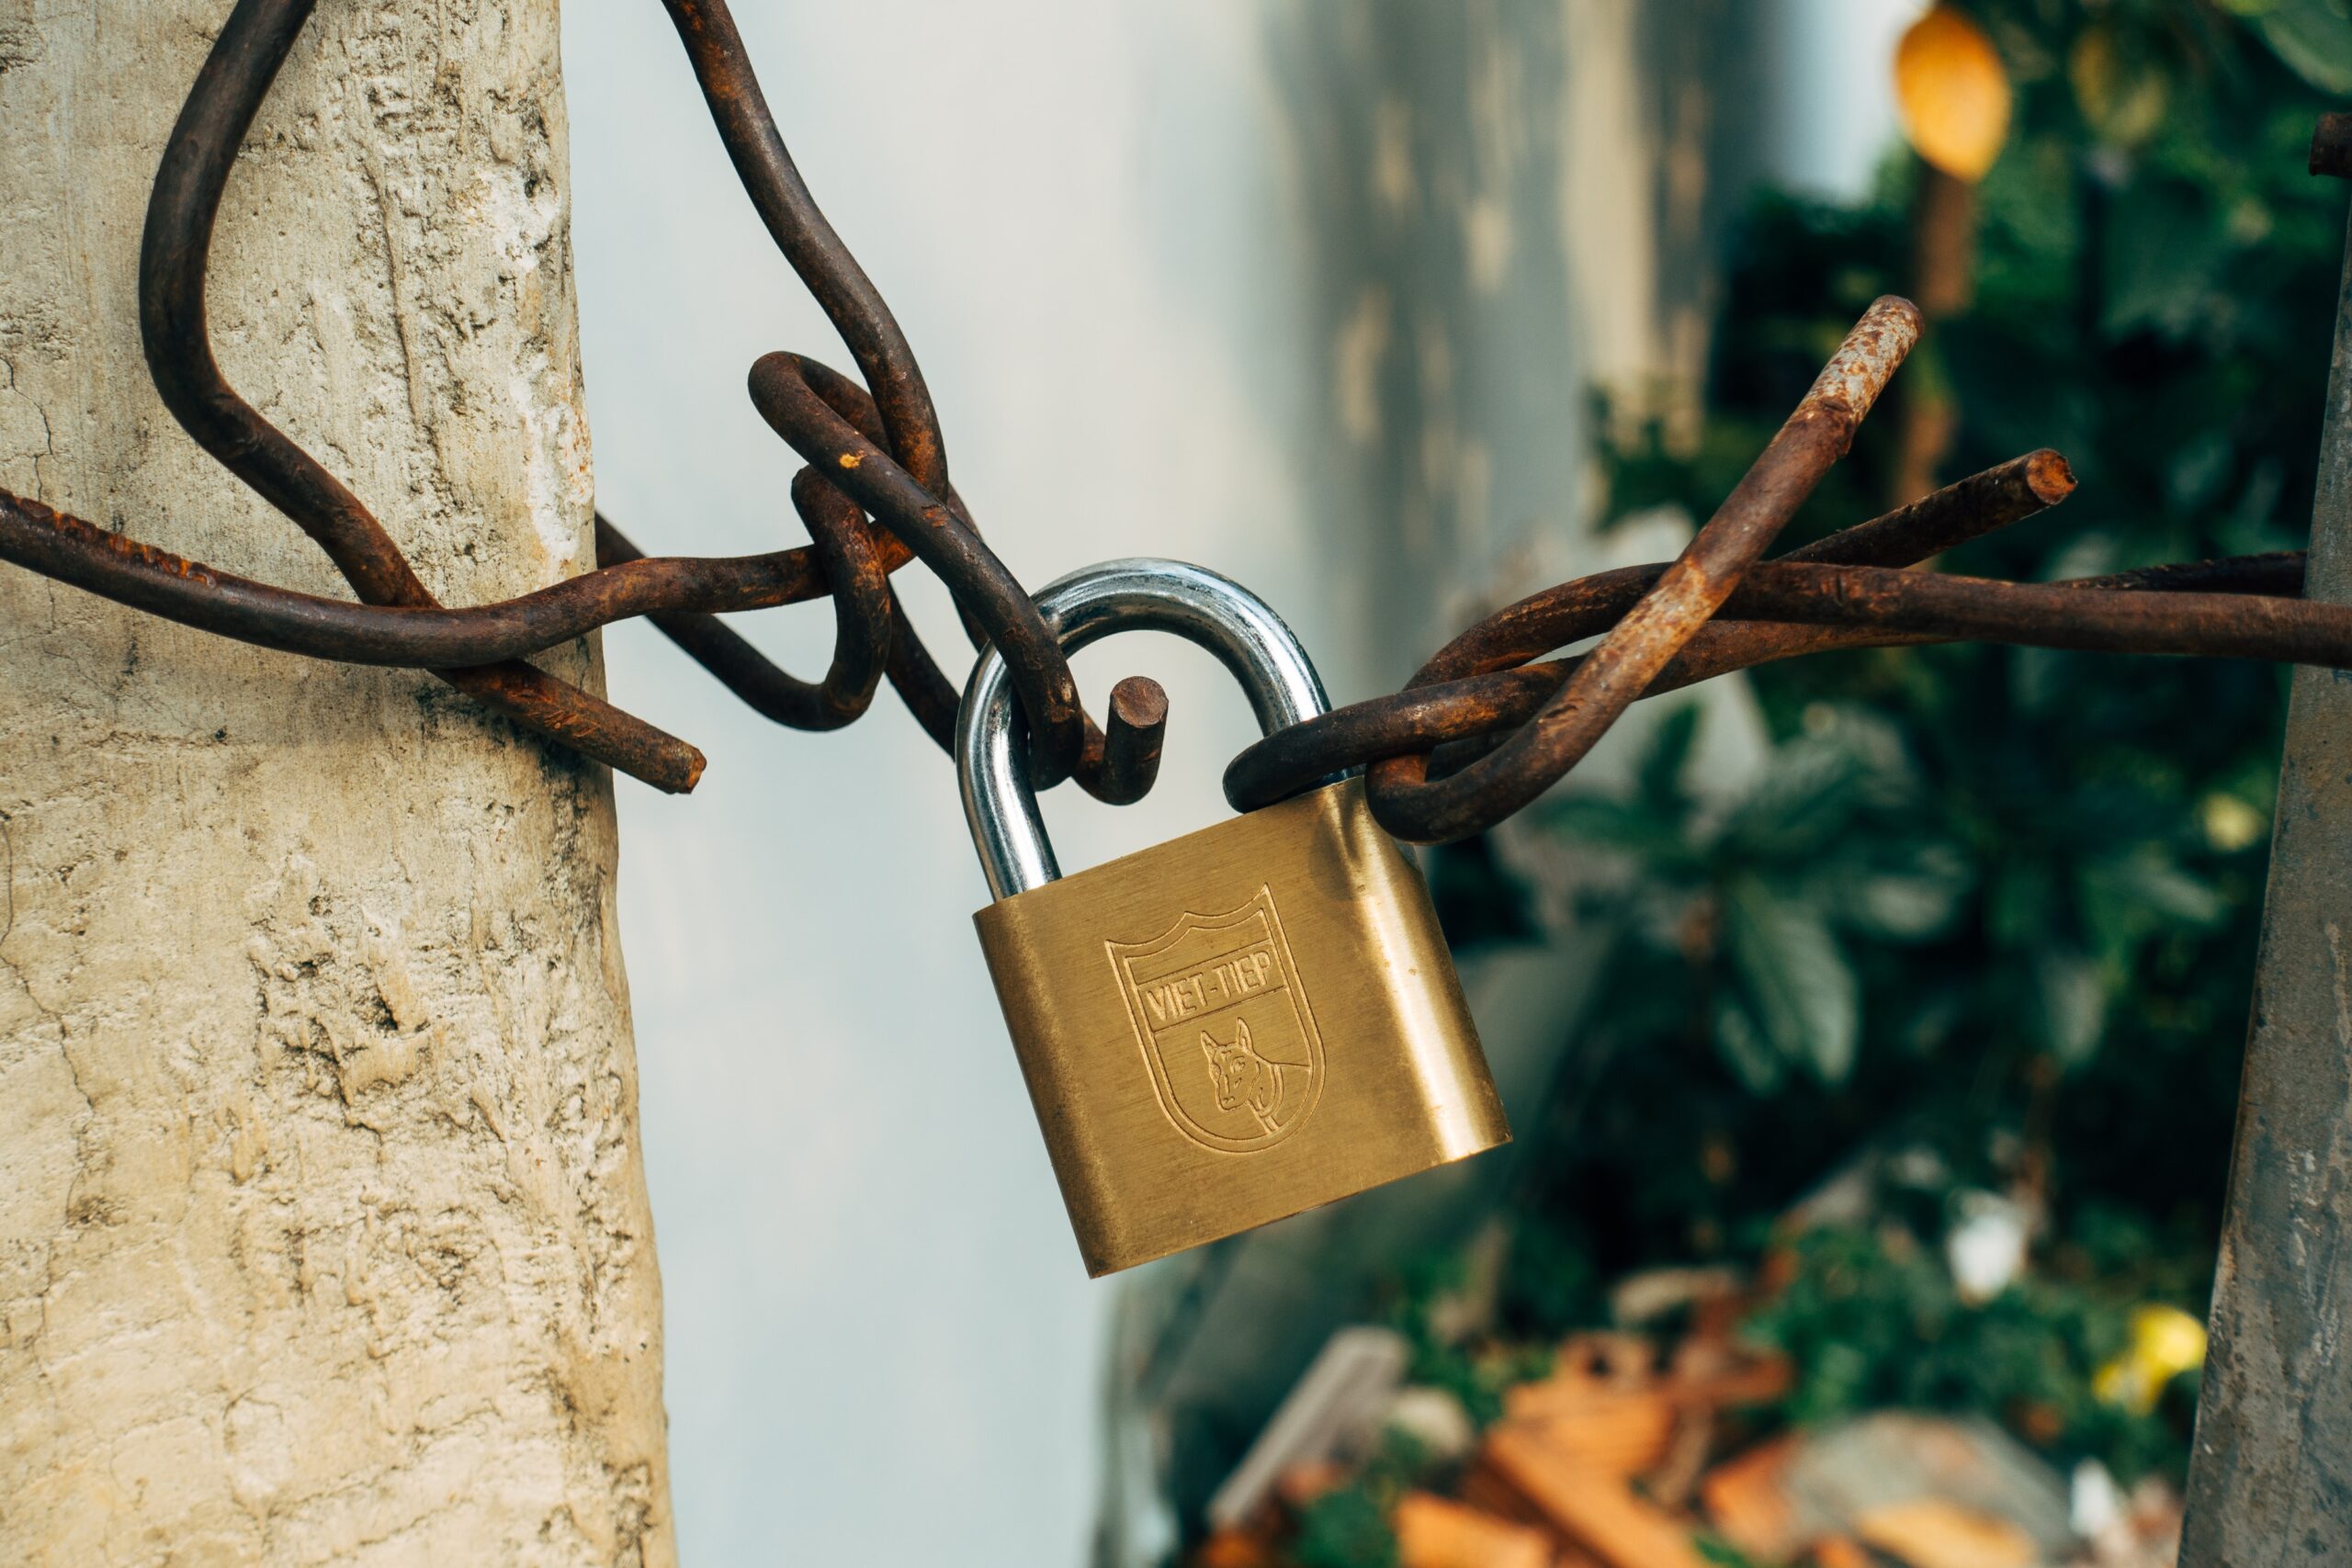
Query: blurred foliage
[[1347, 1526], [1988, 911], [1870, 1320]]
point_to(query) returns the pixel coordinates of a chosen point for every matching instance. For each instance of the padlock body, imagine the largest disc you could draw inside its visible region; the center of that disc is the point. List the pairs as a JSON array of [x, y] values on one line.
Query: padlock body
[[1237, 1025]]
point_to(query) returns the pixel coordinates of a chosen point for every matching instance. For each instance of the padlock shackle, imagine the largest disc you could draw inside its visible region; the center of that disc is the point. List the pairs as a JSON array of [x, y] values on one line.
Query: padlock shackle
[[1139, 594]]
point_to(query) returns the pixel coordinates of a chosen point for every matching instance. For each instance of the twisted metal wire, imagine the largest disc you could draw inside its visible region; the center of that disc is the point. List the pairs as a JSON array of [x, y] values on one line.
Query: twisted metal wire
[[1485, 726], [1496, 729], [878, 451]]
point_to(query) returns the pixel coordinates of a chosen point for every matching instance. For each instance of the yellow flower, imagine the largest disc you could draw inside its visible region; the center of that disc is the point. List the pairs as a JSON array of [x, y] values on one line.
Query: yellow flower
[[2165, 1342]]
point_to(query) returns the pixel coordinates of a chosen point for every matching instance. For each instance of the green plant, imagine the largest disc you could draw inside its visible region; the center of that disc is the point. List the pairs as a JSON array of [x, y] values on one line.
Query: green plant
[[1344, 1529], [1994, 906], [1871, 1319], [1348, 1527]]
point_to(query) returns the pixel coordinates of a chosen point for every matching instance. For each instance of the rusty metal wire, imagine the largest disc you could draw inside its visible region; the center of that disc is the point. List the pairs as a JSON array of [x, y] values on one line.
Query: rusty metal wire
[[1485, 726], [173, 327], [879, 451], [1496, 729], [1668, 613]]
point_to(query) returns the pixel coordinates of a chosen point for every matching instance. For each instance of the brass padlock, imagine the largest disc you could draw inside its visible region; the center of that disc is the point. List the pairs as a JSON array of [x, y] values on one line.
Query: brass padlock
[[1237, 1025]]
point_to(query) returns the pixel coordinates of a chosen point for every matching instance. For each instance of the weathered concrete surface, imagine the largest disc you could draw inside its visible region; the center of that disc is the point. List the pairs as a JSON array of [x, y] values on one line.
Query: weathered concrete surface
[[323, 1233], [2270, 1481]]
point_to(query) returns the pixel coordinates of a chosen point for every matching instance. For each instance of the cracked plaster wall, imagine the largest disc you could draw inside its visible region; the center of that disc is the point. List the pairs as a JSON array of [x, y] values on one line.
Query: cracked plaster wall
[[323, 1232]]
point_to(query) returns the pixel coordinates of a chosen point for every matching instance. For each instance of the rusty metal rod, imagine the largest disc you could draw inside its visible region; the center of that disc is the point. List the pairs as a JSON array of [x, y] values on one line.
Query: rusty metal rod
[[882, 452], [1860, 611], [1116, 773], [872, 628], [789, 391], [747, 129], [1495, 697], [1120, 767], [2198, 614], [175, 250], [74, 551], [923, 511], [1415, 807], [1814, 612], [174, 255], [1132, 743], [862, 599], [791, 399], [1505, 690], [913, 673], [906, 422], [1982, 503], [2046, 614]]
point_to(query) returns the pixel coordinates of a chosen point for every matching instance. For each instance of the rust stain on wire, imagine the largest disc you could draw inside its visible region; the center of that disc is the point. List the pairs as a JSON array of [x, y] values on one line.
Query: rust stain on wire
[[1668, 613], [879, 451], [1485, 726], [1483, 730]]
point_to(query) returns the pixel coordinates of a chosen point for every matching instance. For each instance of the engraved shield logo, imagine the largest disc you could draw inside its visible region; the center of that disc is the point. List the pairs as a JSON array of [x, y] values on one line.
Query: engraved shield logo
[[1224, 1026]]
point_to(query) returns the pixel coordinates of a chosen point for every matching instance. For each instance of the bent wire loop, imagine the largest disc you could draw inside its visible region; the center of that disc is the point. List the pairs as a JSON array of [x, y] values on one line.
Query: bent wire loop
[[1484, 727]]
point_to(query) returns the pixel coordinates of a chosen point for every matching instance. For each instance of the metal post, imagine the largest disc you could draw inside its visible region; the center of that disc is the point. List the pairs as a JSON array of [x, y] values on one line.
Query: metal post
[[2270, 1479]]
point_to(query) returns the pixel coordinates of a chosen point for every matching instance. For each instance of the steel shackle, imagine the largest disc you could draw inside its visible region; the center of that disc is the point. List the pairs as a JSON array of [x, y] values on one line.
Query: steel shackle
[[1139, 594]]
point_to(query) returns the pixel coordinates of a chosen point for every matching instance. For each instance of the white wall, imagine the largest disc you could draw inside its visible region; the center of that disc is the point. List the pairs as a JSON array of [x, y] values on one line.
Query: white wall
[[882, 1345], [1094, 223], [1830, 101]]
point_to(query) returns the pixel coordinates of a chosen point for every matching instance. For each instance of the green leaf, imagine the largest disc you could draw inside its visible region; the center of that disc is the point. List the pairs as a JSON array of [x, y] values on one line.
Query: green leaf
[[1911, 900], [2073, 1005], [2119, 84], [2164, 256], [1795, 976], [1802, 801], [2152, 878], [1894, 907], [1634, 827], [1345, 1529], [2314, 40], [2126, 900], [1745, 1050]]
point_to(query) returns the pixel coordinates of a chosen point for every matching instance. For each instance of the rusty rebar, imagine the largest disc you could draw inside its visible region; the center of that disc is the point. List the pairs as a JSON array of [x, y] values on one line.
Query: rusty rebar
[[907, 489], [1488, 725], [1980, 504], [1503, 691], [422, 636], [1138, 710], [1467, 710], [175, 250], [1667, 615], [854, 570], [787, 391], [844, 559]]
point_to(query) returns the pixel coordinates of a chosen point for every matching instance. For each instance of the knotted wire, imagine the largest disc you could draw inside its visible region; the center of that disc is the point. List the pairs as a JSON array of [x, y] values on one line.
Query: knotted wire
[[1484, 727]]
